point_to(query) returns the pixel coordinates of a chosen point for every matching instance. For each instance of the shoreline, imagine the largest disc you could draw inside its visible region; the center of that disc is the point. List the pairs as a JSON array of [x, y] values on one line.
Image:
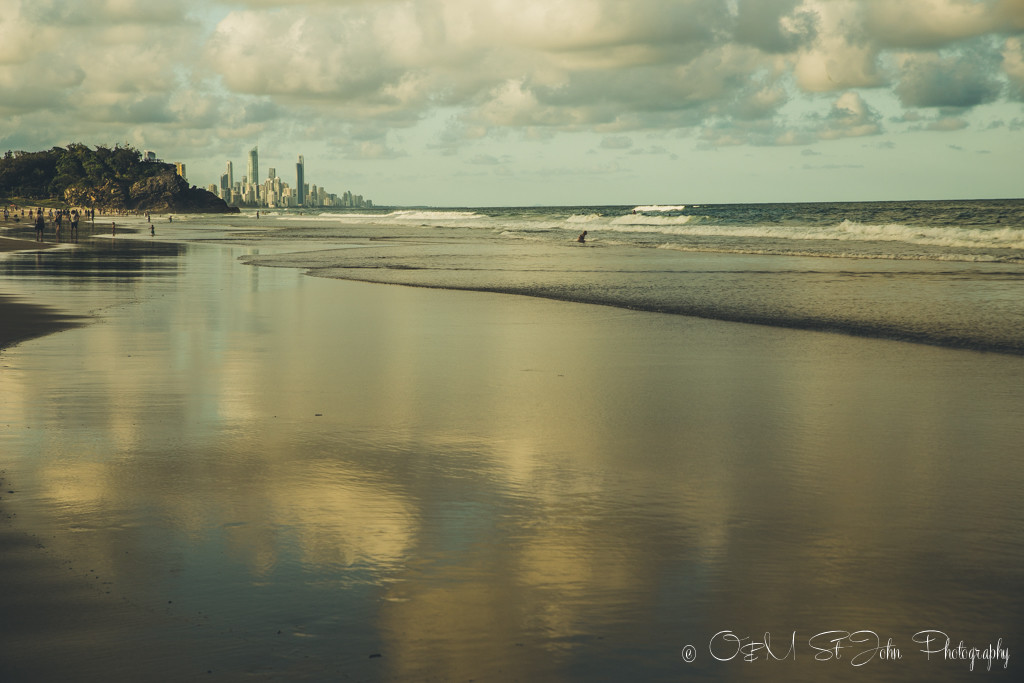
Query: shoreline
[[735, 288]]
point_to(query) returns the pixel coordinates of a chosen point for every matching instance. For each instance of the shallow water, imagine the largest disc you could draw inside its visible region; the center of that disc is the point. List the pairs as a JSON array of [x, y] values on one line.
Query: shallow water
[[490, 487]]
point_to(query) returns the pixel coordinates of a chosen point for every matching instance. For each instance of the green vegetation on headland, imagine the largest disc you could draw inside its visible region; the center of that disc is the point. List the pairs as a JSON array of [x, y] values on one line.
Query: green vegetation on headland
[[104, 178]]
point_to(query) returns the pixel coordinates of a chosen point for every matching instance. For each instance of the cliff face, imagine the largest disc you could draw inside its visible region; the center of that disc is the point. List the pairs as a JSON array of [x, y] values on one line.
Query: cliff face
[[170, 193]]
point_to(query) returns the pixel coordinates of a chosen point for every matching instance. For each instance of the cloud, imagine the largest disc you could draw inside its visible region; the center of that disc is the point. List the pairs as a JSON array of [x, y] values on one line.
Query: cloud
[[928, 24], [849, 117], [617, 142], [775, 26], [653, 150], [1013, 65], [946, 124], [841, 55], [963, 80], [731, 72]]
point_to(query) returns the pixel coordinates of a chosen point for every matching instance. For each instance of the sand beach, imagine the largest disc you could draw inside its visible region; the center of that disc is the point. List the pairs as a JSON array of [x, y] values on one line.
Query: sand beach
[[246, 473]]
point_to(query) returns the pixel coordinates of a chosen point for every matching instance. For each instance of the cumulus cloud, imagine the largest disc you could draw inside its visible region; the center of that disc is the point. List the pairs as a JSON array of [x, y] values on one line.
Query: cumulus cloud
[[928, 23], [727, 70], [963, 80], [1013, 65], [850, 117], [775, 26]]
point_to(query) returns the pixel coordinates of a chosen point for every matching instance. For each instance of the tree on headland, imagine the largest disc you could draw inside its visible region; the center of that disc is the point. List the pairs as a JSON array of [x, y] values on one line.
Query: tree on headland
[[103, 178]]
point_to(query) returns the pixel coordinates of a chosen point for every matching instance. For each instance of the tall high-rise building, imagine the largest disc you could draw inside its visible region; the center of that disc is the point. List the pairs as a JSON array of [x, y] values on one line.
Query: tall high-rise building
[[271, 173], [300, 179], [179, 168], [254, 167], [231, 176]]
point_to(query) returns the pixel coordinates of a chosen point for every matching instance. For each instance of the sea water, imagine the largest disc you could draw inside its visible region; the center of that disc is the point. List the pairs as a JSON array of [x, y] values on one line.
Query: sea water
[[945, 273], [980, 230]]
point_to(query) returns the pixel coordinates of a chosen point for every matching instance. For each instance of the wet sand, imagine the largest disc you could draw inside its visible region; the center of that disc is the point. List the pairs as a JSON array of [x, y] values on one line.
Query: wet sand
[[263, 475], [23, 320]]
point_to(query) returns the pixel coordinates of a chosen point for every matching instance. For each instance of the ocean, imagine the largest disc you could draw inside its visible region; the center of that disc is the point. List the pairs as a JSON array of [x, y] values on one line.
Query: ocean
[[948, 273], [970, 231]]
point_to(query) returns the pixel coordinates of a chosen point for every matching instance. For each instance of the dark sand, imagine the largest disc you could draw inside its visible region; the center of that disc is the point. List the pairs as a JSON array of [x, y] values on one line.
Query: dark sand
[[20, 321], [16, 244]]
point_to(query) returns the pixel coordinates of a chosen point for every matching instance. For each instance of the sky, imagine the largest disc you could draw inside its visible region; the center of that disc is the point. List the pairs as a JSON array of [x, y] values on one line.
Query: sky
[[537, 102]]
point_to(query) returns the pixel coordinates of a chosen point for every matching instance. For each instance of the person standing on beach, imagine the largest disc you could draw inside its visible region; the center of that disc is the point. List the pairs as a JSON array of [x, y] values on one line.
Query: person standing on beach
[[74, 223], [40, 225]]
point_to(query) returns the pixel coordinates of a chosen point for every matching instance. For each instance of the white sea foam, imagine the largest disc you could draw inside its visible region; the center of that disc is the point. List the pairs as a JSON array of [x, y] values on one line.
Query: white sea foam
[[588, 218], [426, 215], [690, 226], [402, 217], [659, 208], [883, 256]]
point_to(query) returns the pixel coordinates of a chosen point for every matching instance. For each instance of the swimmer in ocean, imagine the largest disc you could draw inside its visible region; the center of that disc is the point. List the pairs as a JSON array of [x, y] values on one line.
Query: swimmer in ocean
[[582, 238]]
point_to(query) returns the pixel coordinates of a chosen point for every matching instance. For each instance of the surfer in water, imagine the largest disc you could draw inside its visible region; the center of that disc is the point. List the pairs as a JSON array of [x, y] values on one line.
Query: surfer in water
[[582, 238]]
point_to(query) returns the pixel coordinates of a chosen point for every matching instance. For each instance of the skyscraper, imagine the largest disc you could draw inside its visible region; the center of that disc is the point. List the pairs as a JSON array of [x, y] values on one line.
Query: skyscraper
[[231, 177], [300, 179], [254, 167]]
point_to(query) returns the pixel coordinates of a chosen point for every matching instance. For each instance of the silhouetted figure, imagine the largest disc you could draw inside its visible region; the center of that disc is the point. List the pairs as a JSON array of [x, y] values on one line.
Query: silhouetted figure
[[582, 238], [40, 225]]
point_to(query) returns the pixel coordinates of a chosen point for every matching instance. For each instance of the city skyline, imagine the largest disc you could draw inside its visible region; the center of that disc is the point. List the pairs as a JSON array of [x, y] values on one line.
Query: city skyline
[[275, 192]]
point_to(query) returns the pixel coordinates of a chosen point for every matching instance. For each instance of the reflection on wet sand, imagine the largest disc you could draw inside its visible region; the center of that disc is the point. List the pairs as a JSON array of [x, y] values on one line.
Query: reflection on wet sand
[[489, 487]]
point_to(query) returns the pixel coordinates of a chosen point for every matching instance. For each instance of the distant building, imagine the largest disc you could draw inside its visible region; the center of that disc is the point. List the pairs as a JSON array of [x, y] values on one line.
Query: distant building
[[149, 156], [254, 167], [180, 169], [300, 181]]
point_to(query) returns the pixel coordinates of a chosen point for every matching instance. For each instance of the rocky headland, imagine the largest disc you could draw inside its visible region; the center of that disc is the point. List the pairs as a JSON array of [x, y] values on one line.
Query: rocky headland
[[106, 179]]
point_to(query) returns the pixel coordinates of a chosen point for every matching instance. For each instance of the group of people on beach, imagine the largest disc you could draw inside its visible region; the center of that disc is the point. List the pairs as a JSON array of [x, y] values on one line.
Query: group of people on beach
[[38, 217]]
